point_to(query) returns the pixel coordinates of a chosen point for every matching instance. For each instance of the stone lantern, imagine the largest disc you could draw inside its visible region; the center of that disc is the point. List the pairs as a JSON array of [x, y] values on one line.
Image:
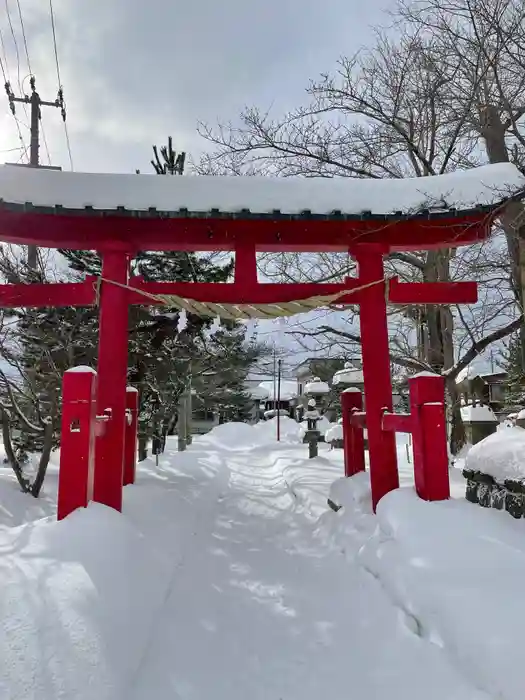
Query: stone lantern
[[316, 389], [259, 395], [349, 376]]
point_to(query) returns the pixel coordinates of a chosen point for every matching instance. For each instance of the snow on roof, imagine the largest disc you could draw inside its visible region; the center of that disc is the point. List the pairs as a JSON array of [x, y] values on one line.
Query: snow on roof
[[478, 414], [349, 375], [316, 387], [500, 455], [258, 393], [467, 372], [288, 390], [463, 190]]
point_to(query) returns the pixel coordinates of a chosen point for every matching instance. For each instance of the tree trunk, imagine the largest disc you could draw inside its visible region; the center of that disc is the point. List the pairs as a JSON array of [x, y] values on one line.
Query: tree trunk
[[513, 217], [143, 447], [44, 461]]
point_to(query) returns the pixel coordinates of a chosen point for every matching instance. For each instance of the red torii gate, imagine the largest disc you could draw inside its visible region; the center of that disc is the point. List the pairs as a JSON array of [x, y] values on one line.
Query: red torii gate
[[118, 215]]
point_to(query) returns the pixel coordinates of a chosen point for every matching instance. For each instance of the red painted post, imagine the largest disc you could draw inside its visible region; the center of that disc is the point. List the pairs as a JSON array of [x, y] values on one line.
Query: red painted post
[[112, 369], [427, 405], [77, 442], [376, 369], [353, 437], [130, 451]]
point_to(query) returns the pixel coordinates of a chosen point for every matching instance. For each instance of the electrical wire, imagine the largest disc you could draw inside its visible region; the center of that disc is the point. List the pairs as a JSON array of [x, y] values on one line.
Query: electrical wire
[[24, 35], [8, 12], [68, 146], [2, 43], [22, 147], [44, 139], [53, 28], [15, 44]]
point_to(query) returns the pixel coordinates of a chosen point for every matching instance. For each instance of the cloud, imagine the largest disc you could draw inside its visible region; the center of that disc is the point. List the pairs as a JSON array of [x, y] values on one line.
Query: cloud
[[135, 71]]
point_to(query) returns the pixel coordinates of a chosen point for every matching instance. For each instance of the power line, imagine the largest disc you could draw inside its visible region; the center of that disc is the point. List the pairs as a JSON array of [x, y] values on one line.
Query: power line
[[24, 35], [54, 40], [68, 145], [44, 138], [30, 76], [5, 55], [60, 88], [15, 43]]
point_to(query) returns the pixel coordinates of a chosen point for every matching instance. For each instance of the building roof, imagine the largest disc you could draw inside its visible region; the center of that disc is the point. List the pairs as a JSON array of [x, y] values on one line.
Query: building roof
[[190, 210]]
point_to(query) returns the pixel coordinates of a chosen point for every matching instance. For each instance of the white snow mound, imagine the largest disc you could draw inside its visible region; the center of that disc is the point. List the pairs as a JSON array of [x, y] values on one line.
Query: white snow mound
[[335, 432], [501, 455], [78, 599]]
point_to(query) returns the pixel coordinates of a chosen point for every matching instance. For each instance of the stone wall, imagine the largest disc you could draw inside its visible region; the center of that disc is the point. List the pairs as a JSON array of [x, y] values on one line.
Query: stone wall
[[509, 496]]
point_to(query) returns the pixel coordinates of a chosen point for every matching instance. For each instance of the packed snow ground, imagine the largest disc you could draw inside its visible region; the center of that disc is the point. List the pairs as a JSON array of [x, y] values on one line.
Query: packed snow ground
[[226, 577]]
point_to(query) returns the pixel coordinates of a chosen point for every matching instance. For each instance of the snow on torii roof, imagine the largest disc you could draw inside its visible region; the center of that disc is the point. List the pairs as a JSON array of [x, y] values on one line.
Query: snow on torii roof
[[177, 212], [461, 190]]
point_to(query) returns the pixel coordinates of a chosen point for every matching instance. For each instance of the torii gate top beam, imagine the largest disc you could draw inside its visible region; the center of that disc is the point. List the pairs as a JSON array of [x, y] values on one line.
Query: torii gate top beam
[[136, 212]]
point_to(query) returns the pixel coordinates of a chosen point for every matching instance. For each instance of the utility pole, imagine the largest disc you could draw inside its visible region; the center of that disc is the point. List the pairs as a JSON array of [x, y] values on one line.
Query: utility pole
[[36, 104]]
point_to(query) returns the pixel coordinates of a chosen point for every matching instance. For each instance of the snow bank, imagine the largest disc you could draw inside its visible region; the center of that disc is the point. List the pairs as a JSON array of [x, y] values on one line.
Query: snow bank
[[240, 436], [292, 195], [456, 572], [335, 432], [501, 455], [352, 492], [77, 604]]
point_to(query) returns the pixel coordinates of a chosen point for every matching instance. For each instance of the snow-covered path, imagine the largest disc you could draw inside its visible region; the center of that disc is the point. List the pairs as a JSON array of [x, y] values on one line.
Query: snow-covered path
[[257, 607], [227, 577]]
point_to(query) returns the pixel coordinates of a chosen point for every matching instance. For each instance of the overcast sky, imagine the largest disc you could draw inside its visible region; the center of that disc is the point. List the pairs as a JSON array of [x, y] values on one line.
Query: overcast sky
[[135, 71]]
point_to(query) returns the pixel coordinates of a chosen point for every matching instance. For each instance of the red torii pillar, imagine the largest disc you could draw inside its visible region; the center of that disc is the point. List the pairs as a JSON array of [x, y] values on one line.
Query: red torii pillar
[[384, 475], [112, 373], [374, 294]]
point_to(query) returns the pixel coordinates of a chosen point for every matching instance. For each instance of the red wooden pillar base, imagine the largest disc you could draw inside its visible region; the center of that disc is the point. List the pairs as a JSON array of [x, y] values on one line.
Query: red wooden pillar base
[[77, 446], [112, 371], [376, 369], [354, 441], [130, 451], [427, 407]]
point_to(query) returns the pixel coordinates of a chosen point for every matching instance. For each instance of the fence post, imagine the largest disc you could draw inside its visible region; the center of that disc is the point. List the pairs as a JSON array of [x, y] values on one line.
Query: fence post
[[77, 441], [427, 406], [353, 437], [130, 437]]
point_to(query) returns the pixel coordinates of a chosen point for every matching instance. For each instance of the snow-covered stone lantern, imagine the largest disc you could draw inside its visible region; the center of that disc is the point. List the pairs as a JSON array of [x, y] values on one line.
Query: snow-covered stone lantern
[[312, 434], [259, 395], [316, 389], [349, 376]]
